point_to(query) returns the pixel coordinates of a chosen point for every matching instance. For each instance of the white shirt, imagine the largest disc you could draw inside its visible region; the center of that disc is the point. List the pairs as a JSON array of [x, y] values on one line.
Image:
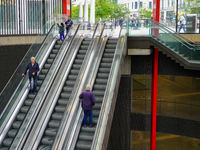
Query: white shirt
[[182, 19]]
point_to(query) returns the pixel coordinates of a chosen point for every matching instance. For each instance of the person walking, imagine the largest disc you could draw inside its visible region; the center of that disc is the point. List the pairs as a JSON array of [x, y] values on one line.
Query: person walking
[[33, 68], [61, 30], [121, 21], [88, 104], [68, 24], [182, 23]]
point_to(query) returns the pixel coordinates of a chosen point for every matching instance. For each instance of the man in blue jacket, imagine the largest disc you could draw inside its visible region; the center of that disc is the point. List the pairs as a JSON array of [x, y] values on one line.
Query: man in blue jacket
[[88, 104], [33, 68], [68, 23]]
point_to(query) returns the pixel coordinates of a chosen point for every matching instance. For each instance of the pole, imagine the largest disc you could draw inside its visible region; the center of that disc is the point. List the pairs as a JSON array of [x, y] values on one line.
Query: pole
[[154, 100], [176, 15]]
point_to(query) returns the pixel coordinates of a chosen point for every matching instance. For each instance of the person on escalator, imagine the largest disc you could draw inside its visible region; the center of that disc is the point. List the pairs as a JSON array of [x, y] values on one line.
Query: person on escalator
[[68, 24], [33, 68], [61, 30], [88, 104]]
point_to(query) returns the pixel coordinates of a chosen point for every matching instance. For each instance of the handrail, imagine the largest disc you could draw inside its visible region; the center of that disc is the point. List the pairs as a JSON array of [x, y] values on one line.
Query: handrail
[[104, 99]]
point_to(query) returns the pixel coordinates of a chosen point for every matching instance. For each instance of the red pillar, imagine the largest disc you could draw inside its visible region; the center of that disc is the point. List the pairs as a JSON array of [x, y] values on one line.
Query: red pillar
[[154, 100], [156, 16], [67, 7]]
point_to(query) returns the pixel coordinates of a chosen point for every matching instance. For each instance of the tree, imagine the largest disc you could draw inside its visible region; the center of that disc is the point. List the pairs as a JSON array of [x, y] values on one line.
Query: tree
[[191, 7], [104, 9], [145, 12]]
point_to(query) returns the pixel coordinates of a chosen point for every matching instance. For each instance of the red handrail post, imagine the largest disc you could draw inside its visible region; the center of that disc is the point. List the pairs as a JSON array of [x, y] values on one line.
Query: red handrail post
[[154, 100]]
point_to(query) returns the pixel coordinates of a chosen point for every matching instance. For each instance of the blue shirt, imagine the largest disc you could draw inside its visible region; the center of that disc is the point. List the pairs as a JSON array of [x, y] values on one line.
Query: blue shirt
[[88, 100], [32, 68], [70, 22]]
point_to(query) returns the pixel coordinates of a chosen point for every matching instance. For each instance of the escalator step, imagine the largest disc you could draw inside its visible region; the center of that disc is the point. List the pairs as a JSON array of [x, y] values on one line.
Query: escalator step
[[62, 101], [107, 60], [82, 51], [109, 50], [98, 93], [57, 46], [96, 113], [88, 129], [112, 41], [7, 142], [99, 87], [44, 147], [4, 148], [72, 77], [86, 42], [86, 136], [12, 133], [65, 95], [84, 145], [21, 117], [47, 140], [108, 55], [52, 56], [76, 66], [16, 124], [60, 108], [50, 132], [59, 42], [97, 106], [24, 109], [31, 96], [99, 100], [75, 72], [70, 83], [28, 102], [39, 82], [44, 71], [47, 66], [67, 89], [79, 56], [102, 75], [101, 81], [110, 46], [54, 123], [106, 65], [55, 51], [50, 61], [57, 116], [104, 70], [41, 77], [78, 61], [83, 47]]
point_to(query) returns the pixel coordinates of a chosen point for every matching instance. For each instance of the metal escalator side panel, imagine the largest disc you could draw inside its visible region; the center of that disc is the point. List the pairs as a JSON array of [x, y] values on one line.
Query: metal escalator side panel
[[42, 120]]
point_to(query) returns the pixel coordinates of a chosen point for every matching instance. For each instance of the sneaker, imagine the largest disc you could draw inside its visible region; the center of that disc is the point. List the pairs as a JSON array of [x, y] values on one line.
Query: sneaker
[[92, 125], [84, 126]]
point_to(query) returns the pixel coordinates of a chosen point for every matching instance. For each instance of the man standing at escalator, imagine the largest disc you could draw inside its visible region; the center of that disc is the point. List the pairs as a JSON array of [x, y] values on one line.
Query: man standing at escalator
[[68, 23], [88, 104], [33, 68]]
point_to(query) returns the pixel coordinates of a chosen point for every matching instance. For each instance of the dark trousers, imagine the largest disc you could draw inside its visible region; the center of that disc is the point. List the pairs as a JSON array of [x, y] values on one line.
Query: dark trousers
[[86, 112], [34, 83], [62, 35], [67, 29]]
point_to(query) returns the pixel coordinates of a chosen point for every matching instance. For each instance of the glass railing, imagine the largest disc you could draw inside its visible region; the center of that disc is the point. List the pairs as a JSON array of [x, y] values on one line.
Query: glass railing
[[110, 89], [175, 42]]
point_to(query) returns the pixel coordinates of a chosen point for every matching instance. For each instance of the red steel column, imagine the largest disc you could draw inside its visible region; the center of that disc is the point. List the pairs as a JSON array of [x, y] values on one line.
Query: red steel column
[[67, 7], [154, 100], [156, 10]]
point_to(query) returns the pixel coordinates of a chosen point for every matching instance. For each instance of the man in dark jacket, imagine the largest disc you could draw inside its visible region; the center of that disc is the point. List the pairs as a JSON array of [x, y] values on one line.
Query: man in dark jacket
[[33, 68], [68, 23], [88, 104]]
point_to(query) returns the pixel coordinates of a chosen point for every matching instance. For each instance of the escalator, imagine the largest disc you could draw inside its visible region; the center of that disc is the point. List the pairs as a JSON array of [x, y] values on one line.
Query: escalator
[[55, 119], [30, 98], [85, 137]]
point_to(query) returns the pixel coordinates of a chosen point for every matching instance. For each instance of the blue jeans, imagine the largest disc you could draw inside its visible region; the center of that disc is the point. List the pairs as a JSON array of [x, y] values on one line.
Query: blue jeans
[[34, 84], [62, 35], [86, 115], [181, 26], [67, 29]]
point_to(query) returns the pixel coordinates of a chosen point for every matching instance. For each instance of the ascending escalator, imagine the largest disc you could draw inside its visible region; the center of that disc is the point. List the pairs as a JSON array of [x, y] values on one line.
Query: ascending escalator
[[30, 98], [85, 138], [54, 122]]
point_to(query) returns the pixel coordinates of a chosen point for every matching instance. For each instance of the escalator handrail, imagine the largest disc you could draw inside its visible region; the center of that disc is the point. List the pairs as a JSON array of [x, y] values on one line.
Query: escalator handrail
[[104, 99], [59, 68], [193, 45], [25, 56], [77, 84]]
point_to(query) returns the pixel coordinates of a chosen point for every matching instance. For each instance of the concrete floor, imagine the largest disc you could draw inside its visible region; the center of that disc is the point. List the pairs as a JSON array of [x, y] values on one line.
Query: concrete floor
[[141, 141]]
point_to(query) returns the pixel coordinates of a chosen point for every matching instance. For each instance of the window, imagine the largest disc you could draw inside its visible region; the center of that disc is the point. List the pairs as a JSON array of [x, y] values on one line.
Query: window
[[150, 4], [172, 2], [135, 5], [140, 4], [168, 3], [132, 5]]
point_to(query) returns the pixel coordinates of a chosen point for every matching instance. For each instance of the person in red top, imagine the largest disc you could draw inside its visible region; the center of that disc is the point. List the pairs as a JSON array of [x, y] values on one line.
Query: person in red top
[[88, 104]]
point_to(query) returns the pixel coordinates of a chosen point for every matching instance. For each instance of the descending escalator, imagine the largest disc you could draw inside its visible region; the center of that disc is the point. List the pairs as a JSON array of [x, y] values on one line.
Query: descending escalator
[[53, 125], [86, 135], [29, 99]]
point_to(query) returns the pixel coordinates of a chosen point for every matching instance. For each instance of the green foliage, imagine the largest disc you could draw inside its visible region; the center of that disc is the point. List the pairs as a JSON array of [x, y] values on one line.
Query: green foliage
[[145, 12], [191, 7], [104, 9]]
